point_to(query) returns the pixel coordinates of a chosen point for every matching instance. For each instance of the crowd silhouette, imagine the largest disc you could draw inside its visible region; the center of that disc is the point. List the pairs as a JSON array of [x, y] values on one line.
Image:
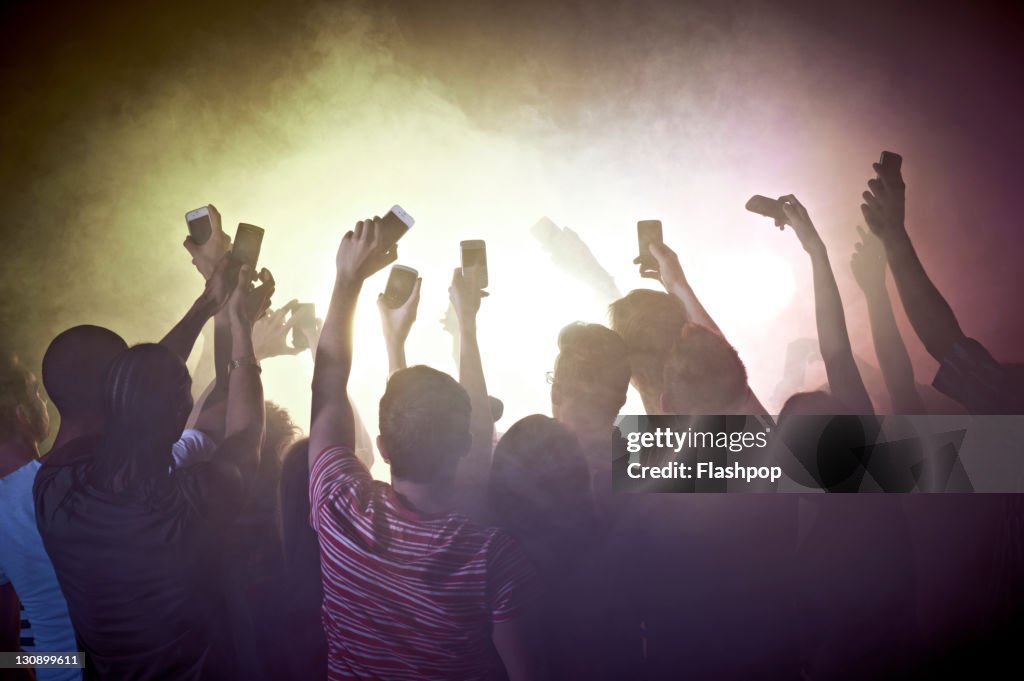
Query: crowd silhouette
[[168, 538]]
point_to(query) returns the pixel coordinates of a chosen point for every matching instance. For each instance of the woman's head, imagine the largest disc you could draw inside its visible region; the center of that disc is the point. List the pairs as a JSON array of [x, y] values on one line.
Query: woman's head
[[147, 400], [539, 479]]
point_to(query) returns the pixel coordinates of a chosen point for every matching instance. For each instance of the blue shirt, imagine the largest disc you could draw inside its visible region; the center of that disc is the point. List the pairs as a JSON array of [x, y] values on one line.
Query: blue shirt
[[24, 563]]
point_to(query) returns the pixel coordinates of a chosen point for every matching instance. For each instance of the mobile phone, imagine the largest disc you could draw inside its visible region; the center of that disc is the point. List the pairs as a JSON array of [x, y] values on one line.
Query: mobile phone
[[245, 249], [304, 315], [394, 225], [890, 160], [648, 232], [770, 208], [474, 262], [200, 227], [401, 282]]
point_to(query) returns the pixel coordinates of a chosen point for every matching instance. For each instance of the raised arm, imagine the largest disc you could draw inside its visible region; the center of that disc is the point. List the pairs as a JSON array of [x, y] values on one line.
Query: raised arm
[[465, 298], [884, 210], [396, 323], [670, 274], [868, 265], [219, 286], [332, 423], [244, 419], [844, 378]]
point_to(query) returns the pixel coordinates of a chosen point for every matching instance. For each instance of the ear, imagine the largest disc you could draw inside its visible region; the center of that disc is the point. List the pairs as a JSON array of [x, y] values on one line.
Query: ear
[[383, 450]]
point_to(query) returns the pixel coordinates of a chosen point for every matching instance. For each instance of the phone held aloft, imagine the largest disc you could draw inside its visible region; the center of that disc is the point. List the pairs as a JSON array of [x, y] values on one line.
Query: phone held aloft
[[474, 262], [770, 208], [400, 284], [648, 232], [245, 249], [303, 322], [890, 160], [200, 227], [394, 225]]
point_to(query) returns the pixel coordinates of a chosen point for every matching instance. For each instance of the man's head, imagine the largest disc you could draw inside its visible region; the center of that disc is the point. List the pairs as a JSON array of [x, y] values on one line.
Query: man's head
[[649, 323], [279, 433], [424, 424], [22, 411], [703, 375], [75, 369], [591, 375], [824, 448]]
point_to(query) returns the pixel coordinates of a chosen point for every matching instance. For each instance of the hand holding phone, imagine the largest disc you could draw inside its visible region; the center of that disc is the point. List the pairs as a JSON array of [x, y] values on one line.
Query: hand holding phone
[[398, 306], [770, 208], [648, 232], [206, 243], [474, 262], [401, 283], [303, 324]]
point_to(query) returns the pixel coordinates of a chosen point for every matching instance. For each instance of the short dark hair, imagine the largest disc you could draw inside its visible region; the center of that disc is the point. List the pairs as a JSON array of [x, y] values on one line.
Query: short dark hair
[[703, 373], [19, 390], [424, 423], [592, 366], [75, 368], [649, 322]]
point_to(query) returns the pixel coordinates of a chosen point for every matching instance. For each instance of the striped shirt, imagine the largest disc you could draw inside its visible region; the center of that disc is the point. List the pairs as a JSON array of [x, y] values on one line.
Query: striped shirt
[[407, 595]]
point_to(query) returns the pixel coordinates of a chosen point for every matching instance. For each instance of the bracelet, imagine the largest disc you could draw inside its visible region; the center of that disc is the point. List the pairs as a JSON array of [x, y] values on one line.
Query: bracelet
[[245, 361]]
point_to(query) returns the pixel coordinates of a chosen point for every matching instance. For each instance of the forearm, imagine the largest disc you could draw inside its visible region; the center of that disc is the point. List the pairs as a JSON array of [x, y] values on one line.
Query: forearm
[[245, 415], [692, 306], [929, 313], [471, 377], [893, 358], [396, 356], [182, 338], [844, 378], [332, 420]]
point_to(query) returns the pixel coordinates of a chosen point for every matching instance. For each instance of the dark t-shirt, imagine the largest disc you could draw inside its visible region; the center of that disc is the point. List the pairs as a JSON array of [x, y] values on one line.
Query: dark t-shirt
[[139, 572]]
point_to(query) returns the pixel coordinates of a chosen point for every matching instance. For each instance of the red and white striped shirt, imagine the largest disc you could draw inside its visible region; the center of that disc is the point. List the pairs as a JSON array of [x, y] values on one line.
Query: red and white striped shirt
[[407, 595]]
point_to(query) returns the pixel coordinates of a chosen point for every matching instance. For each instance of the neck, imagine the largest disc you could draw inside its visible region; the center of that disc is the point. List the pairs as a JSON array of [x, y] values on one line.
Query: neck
[[426, 497], [15, 453], [74, 428]]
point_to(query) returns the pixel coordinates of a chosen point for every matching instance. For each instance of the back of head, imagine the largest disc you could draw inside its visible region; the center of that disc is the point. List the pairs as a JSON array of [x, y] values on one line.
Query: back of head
[[539, 478], [424, 424], [75, 368], [147, 401], [280, 432], [592, 371], [703, 374], [649, 323], [22, 411], [827, 446]]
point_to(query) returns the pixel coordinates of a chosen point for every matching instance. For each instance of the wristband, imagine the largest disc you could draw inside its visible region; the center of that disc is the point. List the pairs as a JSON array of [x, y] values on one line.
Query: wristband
[[245, 361]]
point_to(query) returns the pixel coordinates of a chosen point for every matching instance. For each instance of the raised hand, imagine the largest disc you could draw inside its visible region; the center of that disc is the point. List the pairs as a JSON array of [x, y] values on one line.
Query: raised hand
[[220, 283], [465, 297], [206, 256], [361, 254], [884, 204], [270, 332], [669, 272], [247, 304], [868, 263], [398, 321], [800, 221]]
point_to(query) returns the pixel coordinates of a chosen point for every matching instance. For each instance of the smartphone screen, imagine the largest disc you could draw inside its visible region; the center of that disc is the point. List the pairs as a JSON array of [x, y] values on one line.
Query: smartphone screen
[[648, 232], [304, 315], [246, 246], [199, 225], [401, 282], [394, 225], [474, 262]]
